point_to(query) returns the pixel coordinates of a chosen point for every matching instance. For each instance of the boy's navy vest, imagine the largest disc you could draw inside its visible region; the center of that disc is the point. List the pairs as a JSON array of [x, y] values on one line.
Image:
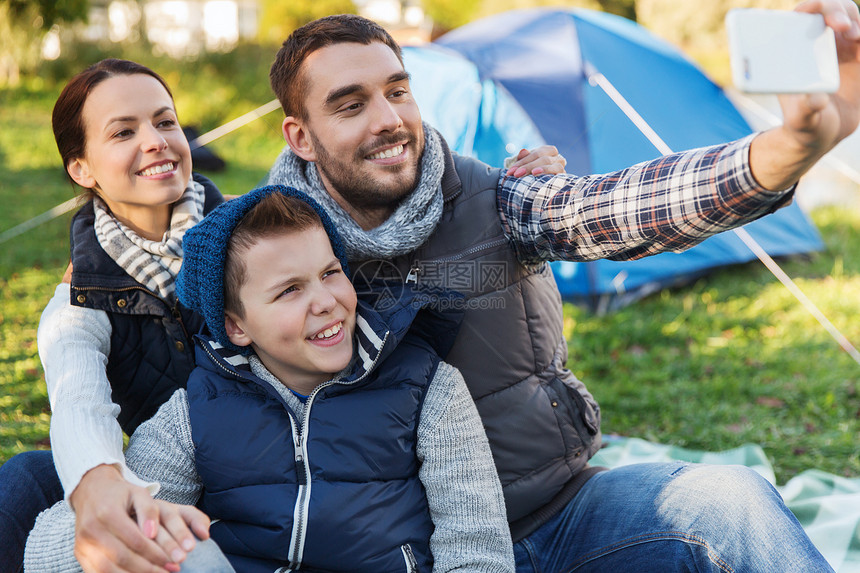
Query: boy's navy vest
[[349, 497], [151, 347]]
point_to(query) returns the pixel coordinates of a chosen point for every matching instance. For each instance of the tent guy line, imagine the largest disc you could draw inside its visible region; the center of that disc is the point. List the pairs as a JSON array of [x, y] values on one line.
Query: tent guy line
[[595, 78], [200, 141]]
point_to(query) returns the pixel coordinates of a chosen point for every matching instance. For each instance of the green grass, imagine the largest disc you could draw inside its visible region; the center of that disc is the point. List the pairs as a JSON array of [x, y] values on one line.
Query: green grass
[[735, 359], [731, 359]]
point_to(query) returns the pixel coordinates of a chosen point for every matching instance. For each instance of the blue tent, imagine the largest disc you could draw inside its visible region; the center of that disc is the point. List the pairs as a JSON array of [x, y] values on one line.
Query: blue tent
[[519, 79]]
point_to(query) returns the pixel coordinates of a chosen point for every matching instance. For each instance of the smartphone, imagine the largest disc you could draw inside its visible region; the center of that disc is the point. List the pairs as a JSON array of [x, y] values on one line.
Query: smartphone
[[779, 51]]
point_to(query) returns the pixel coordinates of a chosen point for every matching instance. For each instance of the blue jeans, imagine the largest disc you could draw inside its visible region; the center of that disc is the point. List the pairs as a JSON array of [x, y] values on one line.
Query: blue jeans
[[28, 485], [666, 517]]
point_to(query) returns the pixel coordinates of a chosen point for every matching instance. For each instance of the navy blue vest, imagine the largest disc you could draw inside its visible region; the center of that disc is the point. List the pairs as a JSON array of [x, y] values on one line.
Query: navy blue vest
[[151, 352], [337, 490]]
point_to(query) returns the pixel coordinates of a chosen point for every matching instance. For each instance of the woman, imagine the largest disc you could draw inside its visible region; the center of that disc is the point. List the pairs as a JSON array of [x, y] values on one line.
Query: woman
[[115, 343]]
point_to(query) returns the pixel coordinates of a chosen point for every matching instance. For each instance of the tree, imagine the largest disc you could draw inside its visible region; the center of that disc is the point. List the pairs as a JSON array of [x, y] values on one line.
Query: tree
[[23, 25], [449, 14], [279, 17], [45, 13]]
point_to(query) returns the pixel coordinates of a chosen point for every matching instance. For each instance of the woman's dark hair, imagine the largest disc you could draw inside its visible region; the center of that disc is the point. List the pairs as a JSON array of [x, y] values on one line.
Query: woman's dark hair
[[67, 119]]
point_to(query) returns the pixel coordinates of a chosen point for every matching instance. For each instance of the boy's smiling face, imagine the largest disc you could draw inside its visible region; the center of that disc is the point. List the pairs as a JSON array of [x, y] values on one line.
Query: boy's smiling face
[[299, 308]]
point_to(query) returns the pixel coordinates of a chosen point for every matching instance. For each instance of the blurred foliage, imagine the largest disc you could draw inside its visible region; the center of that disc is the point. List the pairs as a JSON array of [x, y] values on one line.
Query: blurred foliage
[[449, 14], [210, 88], [46, 13], [279, 18], [23, 25]]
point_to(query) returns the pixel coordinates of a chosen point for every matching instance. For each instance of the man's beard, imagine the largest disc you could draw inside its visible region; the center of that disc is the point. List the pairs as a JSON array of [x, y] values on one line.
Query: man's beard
[[353, 179]]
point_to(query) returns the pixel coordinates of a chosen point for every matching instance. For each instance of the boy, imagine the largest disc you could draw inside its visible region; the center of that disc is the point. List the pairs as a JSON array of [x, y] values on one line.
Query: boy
[[316, 437]]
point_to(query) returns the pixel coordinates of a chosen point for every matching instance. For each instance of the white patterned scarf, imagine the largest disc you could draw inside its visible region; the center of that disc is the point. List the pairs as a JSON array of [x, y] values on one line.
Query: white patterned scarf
[[405, 230], [153, 264]]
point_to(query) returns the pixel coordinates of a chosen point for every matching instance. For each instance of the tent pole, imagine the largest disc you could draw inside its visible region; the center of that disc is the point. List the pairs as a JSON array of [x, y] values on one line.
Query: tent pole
[[595, 78]]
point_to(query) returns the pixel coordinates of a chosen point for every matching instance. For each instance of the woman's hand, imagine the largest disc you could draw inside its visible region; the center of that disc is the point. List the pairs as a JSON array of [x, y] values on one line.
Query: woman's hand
[[119, 527], [543, 160]]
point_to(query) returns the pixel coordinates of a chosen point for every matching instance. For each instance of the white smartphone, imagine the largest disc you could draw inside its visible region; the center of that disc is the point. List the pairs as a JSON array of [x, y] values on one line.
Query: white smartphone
[[779, 51]]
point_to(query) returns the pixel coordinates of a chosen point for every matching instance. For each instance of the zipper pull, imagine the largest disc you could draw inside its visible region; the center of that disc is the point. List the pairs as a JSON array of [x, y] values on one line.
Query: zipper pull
[[409, 557], [300, 469], [300, 460], [412, 277]]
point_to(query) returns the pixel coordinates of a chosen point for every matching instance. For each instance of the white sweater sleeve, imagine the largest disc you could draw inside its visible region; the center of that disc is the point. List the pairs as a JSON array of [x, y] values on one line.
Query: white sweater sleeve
[[463, 489], [161, 449], [74, 343]]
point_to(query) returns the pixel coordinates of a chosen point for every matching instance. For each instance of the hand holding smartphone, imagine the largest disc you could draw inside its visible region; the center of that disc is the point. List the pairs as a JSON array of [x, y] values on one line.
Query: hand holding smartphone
[[777, 51]]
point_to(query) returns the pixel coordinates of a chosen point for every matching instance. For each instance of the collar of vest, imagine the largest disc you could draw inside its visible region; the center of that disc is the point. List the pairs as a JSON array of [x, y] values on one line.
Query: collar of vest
[[434, 316], [92, 267], [451, 184]]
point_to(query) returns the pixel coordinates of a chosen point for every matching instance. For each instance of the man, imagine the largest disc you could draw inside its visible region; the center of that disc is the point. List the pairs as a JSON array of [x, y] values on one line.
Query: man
[[407, 208]]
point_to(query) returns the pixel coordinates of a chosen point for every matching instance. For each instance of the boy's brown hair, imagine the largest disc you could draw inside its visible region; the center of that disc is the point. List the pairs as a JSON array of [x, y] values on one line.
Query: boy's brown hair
[[274, 215]]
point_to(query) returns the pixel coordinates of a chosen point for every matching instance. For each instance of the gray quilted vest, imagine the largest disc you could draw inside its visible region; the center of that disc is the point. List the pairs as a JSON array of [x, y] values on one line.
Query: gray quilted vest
[[542, 423]]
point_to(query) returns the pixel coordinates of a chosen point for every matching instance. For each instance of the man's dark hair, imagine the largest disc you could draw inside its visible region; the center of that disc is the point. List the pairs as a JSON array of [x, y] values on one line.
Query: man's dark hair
[[289, 81]]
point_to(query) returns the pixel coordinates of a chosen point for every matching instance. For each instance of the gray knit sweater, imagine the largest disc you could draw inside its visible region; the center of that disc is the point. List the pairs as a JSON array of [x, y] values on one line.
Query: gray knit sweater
[[463, 490]]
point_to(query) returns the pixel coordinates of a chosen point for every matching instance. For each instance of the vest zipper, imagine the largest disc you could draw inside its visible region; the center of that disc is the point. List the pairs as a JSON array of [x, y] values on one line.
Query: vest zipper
[[409, 558], [300, 510], [473, 250], [300, 443], [217, 361], [414, 271]]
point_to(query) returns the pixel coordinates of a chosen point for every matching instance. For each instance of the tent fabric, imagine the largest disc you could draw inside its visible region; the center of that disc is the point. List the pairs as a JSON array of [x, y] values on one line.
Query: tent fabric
[[520, 81], [827, 505]]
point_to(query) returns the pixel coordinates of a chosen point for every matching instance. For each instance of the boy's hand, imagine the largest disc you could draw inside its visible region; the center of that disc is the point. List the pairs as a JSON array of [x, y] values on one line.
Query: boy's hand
[[543, 160], [117, 526]]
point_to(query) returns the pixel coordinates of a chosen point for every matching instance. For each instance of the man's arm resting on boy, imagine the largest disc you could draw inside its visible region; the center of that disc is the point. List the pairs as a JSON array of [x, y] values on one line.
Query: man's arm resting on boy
[[160, 451], [463, 489]]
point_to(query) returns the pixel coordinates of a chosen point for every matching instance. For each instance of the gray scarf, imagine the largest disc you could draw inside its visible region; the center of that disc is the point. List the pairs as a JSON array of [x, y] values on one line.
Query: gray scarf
[[153, 264], [405, 230]]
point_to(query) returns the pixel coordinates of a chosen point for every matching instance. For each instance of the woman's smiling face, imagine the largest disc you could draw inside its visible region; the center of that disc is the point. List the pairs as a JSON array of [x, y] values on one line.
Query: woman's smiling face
[[136, 157]]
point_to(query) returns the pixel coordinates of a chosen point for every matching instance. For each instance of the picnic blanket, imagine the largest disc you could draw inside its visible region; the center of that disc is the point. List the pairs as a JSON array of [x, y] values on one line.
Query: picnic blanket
[[827, 505]]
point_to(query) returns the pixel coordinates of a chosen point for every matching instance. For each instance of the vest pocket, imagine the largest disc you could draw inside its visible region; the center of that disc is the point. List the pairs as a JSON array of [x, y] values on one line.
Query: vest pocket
[[409, 559], [578, 419]]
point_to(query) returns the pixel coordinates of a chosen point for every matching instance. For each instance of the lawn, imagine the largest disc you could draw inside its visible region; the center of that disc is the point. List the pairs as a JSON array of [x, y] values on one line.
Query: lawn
[[731, 359]]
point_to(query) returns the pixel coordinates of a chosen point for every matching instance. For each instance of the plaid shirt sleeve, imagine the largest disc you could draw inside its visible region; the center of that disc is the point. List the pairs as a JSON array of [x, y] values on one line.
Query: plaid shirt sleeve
[[668, 204]]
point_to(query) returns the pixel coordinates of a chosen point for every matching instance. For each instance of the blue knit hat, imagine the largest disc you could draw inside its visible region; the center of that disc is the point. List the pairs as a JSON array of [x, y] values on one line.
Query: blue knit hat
[[200, 282]]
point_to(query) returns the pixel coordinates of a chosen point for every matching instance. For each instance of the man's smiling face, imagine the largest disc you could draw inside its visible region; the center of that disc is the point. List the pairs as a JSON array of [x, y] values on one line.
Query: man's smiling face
[[362, 127]]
